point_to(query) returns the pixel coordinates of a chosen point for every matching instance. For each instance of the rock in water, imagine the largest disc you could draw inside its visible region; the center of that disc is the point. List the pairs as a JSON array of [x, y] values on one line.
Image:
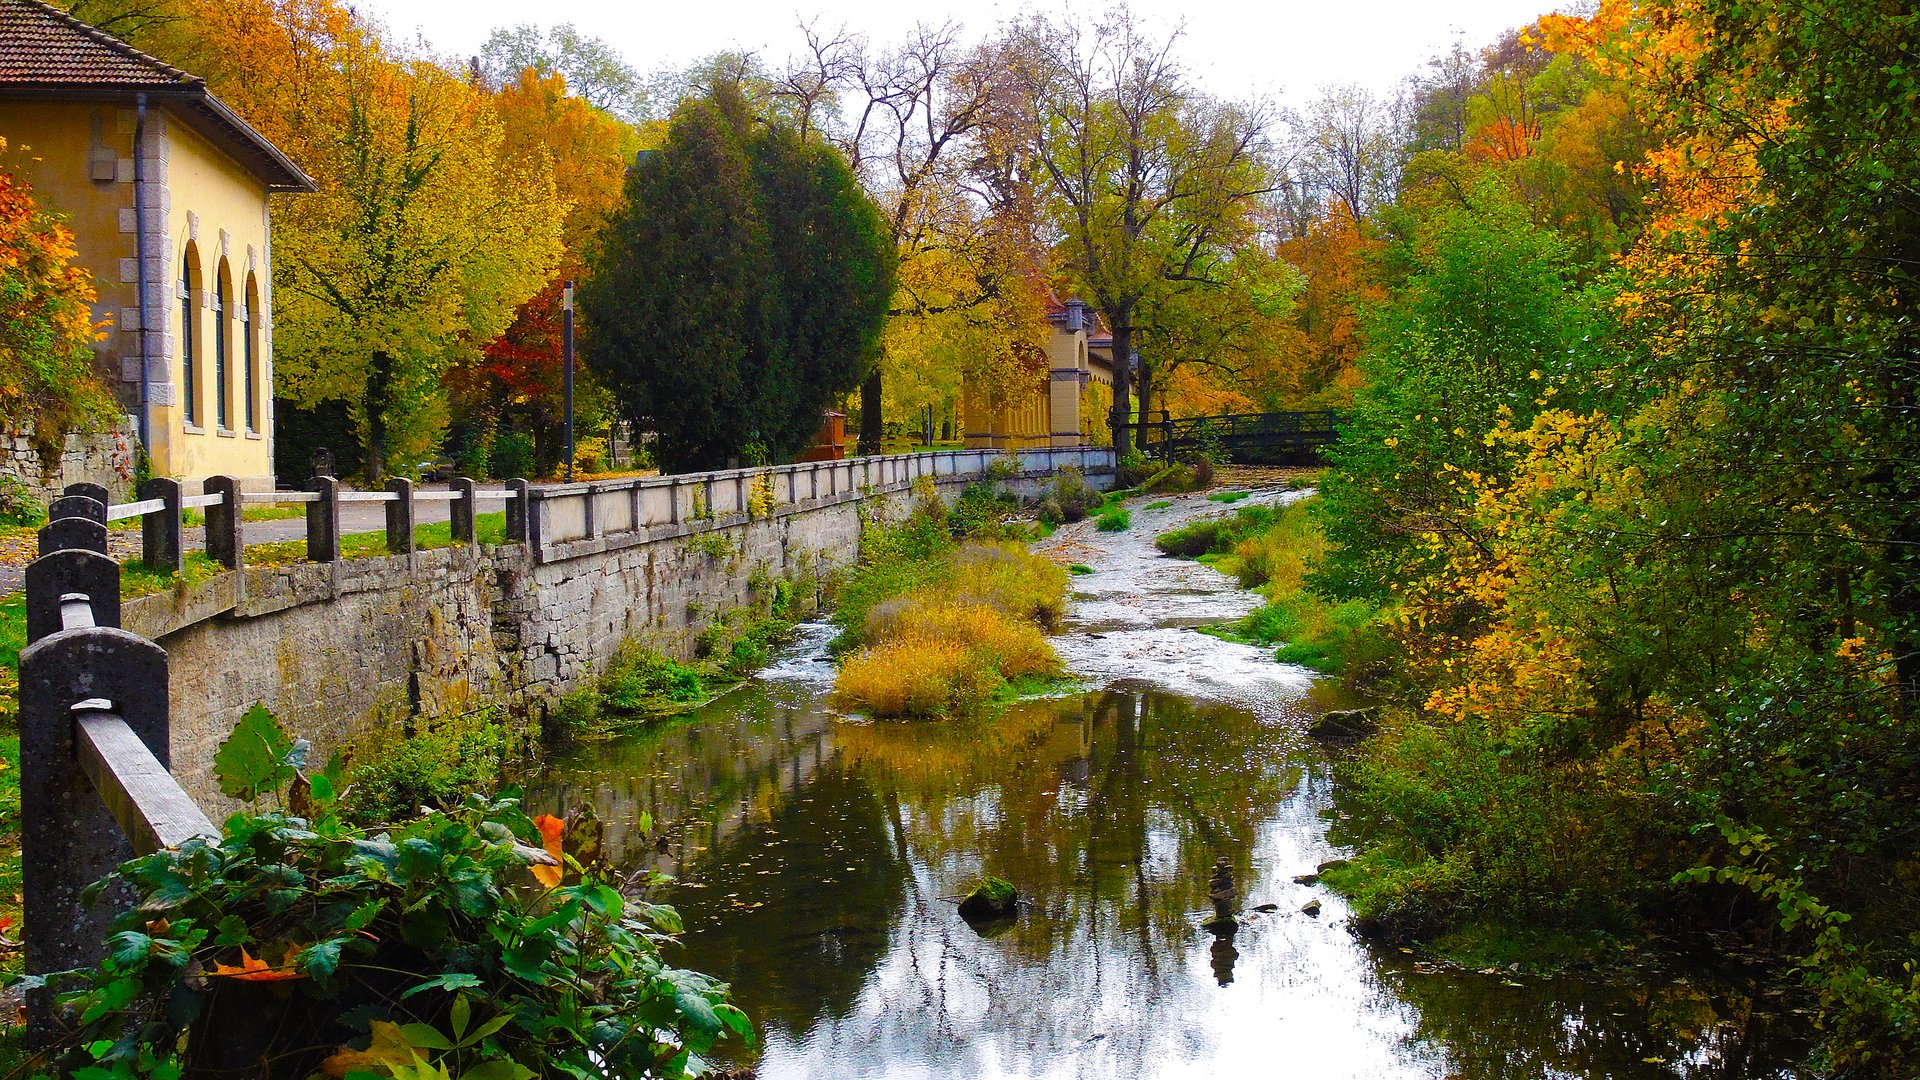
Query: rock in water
[[1311, 907], [1344, 725], [991, 899], [1225, 897]]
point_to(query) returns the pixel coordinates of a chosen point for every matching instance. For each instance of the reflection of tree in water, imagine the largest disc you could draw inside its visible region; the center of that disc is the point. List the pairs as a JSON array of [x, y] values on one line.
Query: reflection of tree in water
[[1575, 1027], [795, 909], [1107, 811]]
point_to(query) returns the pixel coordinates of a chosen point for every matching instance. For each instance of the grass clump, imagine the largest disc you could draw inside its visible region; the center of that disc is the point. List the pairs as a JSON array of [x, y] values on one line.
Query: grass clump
[[1228, 497], [1068, 498], [1114, 519], [641, 686], [1079, 569], [1160, 505], [1272, 549], [138, 579], [935, 628]]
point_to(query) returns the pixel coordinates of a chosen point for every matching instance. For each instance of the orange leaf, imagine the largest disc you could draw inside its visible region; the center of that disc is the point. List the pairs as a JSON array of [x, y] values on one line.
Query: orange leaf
[[551, 830], [252, 970]]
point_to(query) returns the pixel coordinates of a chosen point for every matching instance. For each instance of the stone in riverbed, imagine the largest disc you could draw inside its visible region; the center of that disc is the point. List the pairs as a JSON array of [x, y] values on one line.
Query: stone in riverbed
[[1344, 725], [991, 899], [1311, 908]]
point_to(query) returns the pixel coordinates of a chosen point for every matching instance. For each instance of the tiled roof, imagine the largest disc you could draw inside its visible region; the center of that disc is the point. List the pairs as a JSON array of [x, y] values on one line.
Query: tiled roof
[[45, 52], [40, 45]]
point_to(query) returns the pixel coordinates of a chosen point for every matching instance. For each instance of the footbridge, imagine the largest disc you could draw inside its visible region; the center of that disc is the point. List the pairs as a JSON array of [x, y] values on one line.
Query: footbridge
[[1271, 438]]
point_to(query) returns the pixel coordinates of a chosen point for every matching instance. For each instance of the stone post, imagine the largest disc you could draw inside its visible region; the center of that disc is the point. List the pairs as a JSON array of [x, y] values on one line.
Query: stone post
[[226, 544], [462, 511], [68, 839], [400, 516], [96, 492], [536, 525], [589, 513], [75, 570], [673, 502], [323, 520], [162, 547], [519, 510], [67, 534], [80, 506]]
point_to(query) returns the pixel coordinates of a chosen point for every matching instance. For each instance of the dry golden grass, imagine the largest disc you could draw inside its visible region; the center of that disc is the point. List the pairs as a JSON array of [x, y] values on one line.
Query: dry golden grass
[[951, 646]]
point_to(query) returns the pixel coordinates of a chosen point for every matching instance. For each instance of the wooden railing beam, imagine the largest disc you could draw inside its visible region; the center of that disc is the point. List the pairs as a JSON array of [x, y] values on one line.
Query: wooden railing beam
[[150, 806]]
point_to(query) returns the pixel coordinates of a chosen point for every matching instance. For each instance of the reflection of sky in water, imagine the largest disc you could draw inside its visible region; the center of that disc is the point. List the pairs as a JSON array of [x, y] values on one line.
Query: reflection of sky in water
[[819, 860]]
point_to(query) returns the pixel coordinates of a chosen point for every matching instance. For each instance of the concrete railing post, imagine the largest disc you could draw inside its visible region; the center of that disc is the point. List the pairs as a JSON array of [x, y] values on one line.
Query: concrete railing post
[[536, 521], [97, 492], [162, 545], [323, 520], [589, 512], [80, 506], [68, 837], [461, 511], [673, 502], [226, 543], [400, 516], [519, 510], [74, 521]]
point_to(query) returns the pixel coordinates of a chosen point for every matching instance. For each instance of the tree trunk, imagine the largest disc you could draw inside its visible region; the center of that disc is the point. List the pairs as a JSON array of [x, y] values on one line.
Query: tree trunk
[[1122, 381], [378, 379], [871, 428]]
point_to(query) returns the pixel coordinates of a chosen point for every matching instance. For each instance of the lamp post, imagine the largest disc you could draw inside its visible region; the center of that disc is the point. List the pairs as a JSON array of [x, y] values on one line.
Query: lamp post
[[566, 352]]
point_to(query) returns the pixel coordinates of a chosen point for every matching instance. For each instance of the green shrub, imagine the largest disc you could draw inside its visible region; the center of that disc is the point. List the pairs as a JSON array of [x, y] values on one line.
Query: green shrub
[[513, 456], [1114, 519], [1072, 495], [981, 511], [1228, 496], [436, 767], [19, 509], [429, 948]]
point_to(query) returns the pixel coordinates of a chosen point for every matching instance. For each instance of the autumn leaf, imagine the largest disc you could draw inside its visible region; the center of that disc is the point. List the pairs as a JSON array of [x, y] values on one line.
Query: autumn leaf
[[254, 970], [551, 830]]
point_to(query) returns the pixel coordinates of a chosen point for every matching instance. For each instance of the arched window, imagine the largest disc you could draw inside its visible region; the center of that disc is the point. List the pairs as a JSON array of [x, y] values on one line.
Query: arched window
[[189, 388], [249, 353], [220, 329]]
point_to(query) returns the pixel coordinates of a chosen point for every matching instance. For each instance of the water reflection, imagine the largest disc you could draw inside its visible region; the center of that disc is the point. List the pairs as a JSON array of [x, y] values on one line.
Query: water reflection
[[819, 860]]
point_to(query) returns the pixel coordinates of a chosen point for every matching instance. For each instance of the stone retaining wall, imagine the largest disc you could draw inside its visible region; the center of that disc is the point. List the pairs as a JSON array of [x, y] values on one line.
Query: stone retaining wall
[[339, 649]]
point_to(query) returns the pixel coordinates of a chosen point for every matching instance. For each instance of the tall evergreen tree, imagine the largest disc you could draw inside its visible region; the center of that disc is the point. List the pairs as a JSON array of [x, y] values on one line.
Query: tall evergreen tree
[[739, 289]]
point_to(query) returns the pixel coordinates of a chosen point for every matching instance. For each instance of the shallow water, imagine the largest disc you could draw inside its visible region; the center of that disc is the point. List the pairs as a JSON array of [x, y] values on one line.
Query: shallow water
[[819, 859]]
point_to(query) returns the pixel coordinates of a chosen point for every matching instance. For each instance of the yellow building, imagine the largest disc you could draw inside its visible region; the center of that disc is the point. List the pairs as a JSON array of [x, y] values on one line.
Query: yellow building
[[166, 192], [1069, 407]]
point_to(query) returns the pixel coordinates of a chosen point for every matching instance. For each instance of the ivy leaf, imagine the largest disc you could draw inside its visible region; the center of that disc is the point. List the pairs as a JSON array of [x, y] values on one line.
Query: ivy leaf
[[453, 980], [129, 947], [253, 760]]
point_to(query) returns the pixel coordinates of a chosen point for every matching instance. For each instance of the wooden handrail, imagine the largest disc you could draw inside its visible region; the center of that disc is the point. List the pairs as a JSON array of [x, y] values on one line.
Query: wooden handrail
[[150, 806]]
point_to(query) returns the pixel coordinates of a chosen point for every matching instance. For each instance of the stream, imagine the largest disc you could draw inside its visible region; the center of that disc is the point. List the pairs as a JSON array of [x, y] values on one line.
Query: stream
[[817, 860]]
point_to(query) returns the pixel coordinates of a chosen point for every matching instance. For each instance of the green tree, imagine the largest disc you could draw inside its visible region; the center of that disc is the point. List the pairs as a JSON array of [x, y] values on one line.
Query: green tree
[[1146, 179], [741, 286]]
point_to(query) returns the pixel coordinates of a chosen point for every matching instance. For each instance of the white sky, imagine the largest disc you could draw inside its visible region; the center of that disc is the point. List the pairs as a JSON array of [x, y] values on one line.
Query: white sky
[[1285, 50]]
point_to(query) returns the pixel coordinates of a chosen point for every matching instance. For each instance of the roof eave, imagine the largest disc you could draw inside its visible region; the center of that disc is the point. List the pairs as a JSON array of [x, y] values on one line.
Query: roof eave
[[203, 111]]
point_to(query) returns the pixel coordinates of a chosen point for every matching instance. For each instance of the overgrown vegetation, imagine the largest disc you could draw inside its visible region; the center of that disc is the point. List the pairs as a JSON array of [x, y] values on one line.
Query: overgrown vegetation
[[640, 686], [935, 627], [1640, 488], [1114, 519], [393, 773], [429, 948]]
